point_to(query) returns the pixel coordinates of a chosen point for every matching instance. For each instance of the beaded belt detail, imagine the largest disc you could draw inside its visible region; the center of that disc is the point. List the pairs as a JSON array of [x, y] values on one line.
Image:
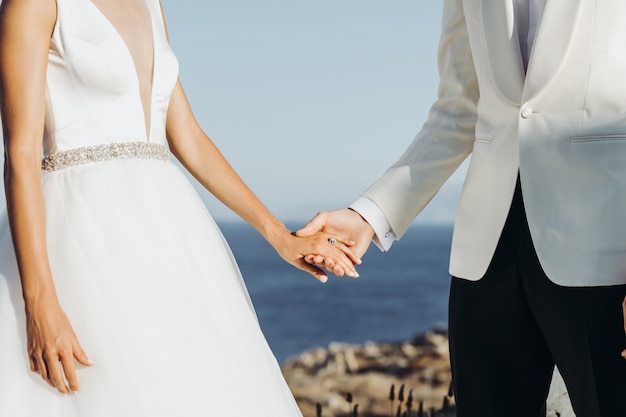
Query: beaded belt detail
[[105, 152]]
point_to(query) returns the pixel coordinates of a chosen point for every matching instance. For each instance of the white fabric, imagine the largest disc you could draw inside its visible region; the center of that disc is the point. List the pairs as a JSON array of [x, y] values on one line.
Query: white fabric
[[140, 268], [383, 235], [527, 16]]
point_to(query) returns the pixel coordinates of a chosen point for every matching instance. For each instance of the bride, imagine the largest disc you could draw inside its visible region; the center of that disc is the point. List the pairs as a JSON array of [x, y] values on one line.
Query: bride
[[106, 252]]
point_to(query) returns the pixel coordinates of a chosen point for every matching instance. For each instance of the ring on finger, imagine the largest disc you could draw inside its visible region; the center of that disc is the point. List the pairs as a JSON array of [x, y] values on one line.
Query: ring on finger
[[332, 241]]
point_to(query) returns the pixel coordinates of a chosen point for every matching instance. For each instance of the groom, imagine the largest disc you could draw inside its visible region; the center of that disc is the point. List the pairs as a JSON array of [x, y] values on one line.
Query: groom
[[535, 91]]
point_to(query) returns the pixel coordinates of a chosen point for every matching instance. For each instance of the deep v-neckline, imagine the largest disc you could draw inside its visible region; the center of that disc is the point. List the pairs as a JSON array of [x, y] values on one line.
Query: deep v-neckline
[[147, 112]]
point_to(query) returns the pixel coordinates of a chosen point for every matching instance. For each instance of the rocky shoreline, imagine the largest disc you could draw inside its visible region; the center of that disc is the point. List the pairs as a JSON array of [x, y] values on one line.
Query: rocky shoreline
[[342, 376]]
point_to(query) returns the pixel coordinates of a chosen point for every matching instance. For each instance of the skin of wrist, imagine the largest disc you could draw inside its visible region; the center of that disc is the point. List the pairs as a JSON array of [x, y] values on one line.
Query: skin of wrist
[[365, 222], [275, 231], [34, 299]]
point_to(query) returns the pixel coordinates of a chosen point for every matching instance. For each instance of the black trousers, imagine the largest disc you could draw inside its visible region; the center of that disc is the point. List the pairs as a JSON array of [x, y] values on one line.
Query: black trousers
[[509, 329]]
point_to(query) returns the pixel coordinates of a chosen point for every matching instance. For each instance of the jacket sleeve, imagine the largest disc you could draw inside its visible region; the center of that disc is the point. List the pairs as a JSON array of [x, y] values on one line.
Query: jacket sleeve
[[446, 138]]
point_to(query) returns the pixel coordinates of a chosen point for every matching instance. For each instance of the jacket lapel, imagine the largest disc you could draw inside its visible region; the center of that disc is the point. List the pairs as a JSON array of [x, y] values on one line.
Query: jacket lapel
[[552, 42], [502, 44]]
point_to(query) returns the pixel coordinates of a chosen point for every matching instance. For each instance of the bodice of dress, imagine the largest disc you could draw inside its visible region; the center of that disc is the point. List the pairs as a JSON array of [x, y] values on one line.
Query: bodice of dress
[[92, 94]]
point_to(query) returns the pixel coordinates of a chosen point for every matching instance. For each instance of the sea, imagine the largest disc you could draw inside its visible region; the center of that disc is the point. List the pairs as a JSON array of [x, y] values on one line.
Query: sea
[[399, 294]]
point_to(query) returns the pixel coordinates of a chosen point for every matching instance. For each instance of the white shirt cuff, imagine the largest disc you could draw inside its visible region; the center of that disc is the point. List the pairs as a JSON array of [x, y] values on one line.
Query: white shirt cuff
[[384, 236]]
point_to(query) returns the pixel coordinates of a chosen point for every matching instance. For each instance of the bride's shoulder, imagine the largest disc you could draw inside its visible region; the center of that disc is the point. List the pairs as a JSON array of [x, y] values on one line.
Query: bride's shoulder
[[31, 14]]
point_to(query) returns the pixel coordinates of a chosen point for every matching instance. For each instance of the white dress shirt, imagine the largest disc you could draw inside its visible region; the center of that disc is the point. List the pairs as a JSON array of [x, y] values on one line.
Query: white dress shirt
[[527, 16]]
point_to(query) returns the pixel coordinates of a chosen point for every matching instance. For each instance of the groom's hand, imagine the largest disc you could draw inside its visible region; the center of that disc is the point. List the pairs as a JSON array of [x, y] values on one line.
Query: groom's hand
[[346, 224]]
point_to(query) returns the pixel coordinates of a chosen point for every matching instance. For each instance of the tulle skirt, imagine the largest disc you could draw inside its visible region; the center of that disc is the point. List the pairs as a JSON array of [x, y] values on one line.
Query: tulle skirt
[[154, 296]]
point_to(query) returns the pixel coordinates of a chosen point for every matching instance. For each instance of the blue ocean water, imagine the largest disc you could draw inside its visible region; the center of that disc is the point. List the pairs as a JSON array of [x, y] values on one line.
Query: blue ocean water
[[400, 292]]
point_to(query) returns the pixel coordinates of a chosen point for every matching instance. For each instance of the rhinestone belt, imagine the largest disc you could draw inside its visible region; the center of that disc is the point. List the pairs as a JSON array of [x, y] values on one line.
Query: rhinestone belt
[[106, 152]]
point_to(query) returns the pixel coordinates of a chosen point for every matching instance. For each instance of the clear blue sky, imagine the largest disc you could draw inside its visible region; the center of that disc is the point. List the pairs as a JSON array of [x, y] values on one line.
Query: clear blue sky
[[310, 101]]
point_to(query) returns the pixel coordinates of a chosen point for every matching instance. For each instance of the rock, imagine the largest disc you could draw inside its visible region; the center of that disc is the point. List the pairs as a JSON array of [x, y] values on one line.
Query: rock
[[559, 404], [368, 371]]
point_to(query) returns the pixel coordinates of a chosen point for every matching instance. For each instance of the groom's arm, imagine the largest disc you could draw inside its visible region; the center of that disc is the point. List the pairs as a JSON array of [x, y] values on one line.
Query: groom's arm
[[442, 144], [446, 138]]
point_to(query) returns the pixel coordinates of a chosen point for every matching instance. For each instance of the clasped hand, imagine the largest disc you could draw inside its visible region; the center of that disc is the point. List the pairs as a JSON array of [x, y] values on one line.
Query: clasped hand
[[334, 240], [347, 227]]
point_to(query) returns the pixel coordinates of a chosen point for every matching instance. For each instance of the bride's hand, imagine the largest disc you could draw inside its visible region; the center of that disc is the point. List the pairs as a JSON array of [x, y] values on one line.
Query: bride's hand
[[53, 346], [294, 249]]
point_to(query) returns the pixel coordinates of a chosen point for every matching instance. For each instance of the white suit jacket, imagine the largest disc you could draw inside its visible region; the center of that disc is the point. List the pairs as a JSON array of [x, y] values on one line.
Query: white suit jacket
[[562, 126]]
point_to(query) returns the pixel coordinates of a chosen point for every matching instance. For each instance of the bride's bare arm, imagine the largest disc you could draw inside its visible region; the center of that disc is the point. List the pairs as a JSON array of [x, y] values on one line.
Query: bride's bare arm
[[25, 30], [201, 157], [205, 162]]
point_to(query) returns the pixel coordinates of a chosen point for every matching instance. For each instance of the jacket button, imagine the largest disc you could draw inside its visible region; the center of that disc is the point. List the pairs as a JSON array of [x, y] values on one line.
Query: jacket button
[[526, 112]]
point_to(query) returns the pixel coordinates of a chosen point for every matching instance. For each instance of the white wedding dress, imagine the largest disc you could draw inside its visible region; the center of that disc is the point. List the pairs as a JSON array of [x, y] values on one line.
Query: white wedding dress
[[140, 268]]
